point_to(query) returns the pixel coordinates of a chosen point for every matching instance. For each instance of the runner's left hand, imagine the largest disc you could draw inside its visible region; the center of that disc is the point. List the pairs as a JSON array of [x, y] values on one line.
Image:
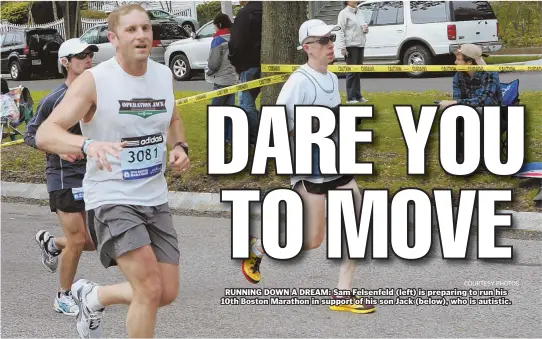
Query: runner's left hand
[[178, 160], [71, 157]]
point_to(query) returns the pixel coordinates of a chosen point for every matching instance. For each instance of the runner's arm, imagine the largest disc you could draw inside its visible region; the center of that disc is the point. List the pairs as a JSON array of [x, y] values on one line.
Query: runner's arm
[[53, 136], [341, 38], [44, 109], [176, 127], [291, 95]]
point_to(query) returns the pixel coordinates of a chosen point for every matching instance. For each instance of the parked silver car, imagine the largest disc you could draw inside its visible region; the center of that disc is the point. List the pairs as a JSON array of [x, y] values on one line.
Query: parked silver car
[[164, 33], [189, 24]]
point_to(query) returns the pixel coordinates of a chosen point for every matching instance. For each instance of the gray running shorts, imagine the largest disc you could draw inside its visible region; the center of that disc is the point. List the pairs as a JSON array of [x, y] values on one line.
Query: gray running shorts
[[117, 229]]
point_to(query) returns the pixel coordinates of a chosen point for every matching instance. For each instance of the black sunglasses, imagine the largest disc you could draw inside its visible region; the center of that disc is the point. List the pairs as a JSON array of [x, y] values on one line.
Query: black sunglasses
[[82, 55], [324, 40]]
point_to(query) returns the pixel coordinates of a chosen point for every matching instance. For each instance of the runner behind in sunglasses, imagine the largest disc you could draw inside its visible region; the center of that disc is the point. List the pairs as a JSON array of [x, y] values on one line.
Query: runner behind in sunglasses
[[64, 182], [313, 84]]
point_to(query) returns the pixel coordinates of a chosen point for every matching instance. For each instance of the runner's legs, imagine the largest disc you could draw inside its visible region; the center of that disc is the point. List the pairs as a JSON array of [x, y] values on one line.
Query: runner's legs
[[315, 228], [145, 247], [70, 210], [347, 270], [77, 240]]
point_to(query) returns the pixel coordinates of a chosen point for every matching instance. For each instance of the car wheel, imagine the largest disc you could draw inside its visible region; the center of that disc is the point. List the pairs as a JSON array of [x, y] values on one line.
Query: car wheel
[[180, 67], [417, 55], [15, 71], [188, 27]]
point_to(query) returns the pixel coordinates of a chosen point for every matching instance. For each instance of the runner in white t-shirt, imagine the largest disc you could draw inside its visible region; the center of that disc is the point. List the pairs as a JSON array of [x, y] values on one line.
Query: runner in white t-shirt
[[313, 84]]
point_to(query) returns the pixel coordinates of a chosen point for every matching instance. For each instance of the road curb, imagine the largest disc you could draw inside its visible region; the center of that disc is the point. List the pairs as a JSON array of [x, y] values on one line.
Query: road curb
[[525, 225]]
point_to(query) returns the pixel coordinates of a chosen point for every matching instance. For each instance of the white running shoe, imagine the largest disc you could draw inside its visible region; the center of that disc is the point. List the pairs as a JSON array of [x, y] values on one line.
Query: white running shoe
[[88, 320], [48, 260], [65, 304]]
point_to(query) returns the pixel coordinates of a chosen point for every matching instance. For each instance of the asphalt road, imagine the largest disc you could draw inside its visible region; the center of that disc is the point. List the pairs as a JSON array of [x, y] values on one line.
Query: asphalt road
[[369, 83], [206, 270]]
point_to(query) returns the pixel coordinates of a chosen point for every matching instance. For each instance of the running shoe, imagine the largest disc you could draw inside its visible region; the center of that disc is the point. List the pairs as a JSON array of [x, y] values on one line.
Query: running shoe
[[64, 303], [354, 306], [48, 260], [88, 320], [251, 266]]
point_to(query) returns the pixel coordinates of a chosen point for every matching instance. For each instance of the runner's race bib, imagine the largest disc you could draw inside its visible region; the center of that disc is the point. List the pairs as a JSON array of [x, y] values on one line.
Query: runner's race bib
[[77, 193], [142, 156]]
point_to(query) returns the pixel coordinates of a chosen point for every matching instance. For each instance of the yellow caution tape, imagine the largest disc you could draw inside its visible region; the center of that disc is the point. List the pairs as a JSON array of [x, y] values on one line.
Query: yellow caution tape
[[406, 68], [265, 68], [12, 143], [275, 79]]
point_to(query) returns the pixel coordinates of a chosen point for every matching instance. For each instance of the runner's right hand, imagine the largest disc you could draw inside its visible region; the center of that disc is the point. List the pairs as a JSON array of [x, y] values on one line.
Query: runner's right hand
[[99, 149]]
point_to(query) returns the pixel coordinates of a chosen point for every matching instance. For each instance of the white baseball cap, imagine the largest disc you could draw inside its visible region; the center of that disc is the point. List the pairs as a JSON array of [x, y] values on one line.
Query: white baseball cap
[[74, 46], [314, 28]]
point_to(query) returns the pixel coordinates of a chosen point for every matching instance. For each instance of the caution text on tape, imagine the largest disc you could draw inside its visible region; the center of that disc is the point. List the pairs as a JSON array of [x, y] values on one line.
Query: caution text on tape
[[407, 68], [275, 79], [271, 80]]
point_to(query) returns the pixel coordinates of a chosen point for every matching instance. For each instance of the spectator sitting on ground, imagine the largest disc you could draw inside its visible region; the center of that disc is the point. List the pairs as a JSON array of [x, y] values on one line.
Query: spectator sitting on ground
[[474, 88], [219, 70]]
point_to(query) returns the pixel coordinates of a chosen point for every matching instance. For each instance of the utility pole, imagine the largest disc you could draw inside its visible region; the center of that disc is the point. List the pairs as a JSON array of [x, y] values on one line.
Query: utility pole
[[227, 8]]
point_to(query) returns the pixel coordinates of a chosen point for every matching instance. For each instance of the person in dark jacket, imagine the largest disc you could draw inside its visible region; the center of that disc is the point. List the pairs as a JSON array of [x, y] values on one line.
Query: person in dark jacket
[[64, 183], [220, 71], [245, 56]]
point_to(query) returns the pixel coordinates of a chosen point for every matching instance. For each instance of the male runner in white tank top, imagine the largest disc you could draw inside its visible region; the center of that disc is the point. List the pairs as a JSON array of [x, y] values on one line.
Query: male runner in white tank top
[[313, 84], [125, 190]]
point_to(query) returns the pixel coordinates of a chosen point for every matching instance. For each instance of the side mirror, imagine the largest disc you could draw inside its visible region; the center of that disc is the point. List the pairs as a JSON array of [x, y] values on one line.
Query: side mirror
[[193, 35]]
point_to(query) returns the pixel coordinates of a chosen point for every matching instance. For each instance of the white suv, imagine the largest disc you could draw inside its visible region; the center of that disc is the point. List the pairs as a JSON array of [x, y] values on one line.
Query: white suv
[[423, 32], [188, 55]]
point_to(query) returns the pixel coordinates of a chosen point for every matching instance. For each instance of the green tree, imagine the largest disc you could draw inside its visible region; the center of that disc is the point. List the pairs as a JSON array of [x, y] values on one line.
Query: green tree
[[520, 22], [15, 12], [71, 12], [209, 10]]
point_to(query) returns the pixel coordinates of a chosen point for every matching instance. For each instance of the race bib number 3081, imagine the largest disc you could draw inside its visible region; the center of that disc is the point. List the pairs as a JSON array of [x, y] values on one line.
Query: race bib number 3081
[[142, 157]]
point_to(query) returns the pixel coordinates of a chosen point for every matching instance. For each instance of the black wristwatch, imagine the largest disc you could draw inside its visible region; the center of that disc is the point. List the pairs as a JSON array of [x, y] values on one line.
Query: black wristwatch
[[184, 145]]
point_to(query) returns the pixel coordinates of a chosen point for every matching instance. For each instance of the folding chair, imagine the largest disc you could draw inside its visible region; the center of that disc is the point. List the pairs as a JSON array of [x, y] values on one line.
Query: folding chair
[[23, 99], [510, 96]]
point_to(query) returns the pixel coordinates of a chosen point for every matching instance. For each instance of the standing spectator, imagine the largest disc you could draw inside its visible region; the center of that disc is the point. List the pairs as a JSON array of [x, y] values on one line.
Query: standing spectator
[[219, 71], [245, 56], [352, 46]]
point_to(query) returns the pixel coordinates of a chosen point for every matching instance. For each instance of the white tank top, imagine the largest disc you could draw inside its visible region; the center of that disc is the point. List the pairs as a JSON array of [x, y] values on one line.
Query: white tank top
[[137, 109]]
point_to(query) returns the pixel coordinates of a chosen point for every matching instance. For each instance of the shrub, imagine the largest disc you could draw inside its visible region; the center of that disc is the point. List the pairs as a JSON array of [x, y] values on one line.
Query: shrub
[[519, 22], [90, 14], [15, 12]]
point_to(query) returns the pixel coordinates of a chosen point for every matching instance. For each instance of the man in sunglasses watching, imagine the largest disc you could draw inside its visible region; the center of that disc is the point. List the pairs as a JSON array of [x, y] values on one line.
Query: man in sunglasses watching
[[64, 182], [313, 84]]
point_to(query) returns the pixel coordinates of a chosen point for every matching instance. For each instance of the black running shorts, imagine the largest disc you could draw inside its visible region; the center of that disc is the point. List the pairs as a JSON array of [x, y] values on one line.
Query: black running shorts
[[324, 187], [67, 200]]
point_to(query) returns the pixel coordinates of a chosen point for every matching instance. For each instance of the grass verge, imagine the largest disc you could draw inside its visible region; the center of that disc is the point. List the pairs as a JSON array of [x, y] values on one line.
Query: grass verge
[[496, 59], [388, 153]]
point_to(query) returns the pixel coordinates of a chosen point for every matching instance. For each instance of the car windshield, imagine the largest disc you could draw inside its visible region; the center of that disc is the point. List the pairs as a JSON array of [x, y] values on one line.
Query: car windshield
[[169, 32], [41, 38]]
